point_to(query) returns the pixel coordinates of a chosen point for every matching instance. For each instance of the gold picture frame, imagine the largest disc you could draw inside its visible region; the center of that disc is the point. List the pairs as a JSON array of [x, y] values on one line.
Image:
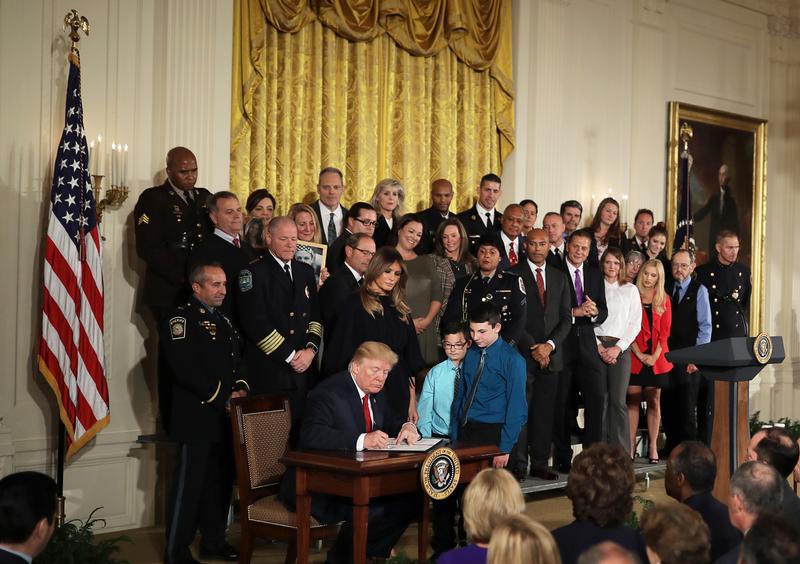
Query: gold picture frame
[[740, 142]]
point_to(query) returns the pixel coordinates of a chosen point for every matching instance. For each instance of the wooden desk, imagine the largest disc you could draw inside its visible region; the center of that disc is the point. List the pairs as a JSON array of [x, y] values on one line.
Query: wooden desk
[[364, 475]]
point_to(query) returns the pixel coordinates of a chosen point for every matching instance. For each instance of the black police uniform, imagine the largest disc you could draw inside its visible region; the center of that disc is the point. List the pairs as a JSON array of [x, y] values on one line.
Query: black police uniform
[[476, 227], [202, 348], [729, 296], [277, 316], [505, 290]]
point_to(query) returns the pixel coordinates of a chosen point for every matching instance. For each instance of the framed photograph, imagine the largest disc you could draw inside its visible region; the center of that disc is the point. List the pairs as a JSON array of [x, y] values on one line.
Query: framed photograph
[[727, 184], [313, 254]]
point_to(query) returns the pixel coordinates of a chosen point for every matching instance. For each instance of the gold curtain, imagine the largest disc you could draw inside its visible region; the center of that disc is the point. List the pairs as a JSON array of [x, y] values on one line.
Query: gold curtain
[[409, 89]]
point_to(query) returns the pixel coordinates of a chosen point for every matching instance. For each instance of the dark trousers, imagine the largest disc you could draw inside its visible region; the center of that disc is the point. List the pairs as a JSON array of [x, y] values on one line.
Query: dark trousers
[[200, 499], [582, 365], [164, 372], [678, 405], [536, 437], [443, 520]]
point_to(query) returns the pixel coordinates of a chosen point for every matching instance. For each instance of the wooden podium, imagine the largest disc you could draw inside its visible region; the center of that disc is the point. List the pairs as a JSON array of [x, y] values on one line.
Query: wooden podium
[[730, 364]]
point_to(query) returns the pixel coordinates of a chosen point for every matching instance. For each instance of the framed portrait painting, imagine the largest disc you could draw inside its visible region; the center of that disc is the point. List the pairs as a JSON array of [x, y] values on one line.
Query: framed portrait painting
[[727, 186], [313, 254]]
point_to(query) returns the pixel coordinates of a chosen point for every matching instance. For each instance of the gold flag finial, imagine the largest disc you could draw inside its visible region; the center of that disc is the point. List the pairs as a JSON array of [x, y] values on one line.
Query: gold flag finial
[[75, 22], [686, 134]]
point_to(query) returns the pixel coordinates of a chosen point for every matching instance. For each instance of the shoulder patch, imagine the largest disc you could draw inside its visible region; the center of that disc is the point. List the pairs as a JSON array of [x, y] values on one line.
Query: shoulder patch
[[143, 219], [177, 328], [521, 284], [245, 280]]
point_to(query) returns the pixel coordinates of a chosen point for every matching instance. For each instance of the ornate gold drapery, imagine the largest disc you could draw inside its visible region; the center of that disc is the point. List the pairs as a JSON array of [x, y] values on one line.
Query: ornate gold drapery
[[410, 89]]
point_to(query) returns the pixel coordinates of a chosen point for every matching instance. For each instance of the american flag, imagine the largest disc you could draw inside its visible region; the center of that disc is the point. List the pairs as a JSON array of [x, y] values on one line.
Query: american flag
[[684, 228], [71, 355]]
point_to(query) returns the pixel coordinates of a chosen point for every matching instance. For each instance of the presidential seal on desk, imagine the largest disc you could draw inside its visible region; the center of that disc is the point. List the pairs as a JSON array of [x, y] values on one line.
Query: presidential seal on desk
[[440, 473]]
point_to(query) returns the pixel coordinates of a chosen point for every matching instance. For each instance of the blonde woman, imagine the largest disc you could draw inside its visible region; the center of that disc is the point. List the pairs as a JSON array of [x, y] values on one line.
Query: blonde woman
[[387, 199], [649, 367], [521, 540], [308, 230], [493, 495]]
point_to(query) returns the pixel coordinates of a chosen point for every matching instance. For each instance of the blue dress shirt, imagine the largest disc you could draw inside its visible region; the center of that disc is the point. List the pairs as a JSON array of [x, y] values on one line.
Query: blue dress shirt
[[436, 400], [703, 310]]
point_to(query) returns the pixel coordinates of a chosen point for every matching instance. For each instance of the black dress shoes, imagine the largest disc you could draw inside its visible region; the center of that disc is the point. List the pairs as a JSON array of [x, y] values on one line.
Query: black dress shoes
[[519, 474], [227, 553], [543, 474], [564, 468]]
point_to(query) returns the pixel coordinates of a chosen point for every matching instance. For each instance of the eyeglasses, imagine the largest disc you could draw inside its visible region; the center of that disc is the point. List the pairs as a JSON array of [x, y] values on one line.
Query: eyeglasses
[[366, 222], [365, 251], [453, 346]]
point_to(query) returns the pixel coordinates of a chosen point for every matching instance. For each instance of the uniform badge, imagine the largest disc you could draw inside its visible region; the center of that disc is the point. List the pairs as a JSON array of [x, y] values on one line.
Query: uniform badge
[[245, 281], [487, 298], [521, 285], [143, 219], [473, 218], [177, 328]]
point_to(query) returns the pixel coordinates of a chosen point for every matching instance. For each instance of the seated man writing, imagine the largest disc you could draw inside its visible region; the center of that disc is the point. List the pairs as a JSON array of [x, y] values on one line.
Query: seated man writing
[[348, 411]]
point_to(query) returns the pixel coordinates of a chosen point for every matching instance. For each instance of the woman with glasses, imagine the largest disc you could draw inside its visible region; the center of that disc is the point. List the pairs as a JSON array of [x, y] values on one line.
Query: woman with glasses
[[387, 199], [379, 312], [633, 263]]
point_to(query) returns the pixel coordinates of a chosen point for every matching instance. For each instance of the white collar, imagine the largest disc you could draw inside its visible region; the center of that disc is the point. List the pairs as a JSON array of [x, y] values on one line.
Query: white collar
[[222, 235], [361, 393], [507, 241], [483, 211], [336, 212], [534, 266], [280, 262], [356, 275]]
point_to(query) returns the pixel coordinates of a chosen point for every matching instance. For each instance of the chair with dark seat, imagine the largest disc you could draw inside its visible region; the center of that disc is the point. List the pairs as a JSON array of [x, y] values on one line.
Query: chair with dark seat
[[261, 426]]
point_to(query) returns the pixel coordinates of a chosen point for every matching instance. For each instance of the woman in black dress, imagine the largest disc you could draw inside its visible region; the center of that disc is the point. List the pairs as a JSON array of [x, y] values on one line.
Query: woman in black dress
[[378, 312], [387, 199]]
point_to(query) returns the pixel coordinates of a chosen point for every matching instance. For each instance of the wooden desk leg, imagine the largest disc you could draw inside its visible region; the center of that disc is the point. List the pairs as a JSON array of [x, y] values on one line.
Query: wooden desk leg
[[360, 520], [422, 549], [303, 508]]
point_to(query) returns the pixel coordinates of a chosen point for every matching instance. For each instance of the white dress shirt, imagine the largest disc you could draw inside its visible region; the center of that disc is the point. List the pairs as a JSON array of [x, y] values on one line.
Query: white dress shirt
[[229, 238], [482, 213], [361, 394], [624, 319], [283, 267], [533, 268], [326, 218]]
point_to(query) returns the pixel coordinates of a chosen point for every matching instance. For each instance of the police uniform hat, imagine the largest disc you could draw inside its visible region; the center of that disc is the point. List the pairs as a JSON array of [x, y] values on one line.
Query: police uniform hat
[[490, 241]]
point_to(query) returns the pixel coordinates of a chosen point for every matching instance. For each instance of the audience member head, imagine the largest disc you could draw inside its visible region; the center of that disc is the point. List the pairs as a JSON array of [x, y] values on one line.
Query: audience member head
[[409, 232], [370, 366], [643, 222], [754, 440], [358, 251], [773, 539], [255, 233], [571, 212], [455, 340], [651, 281], [305, 219], [208, 283], [530, 211], [260, 204], [489, 191], [511, 222], [488, 255], [181, 168], [330, 187], [484, 324], [722, 176], [683, 263], [553, 224], [536, 246], [608, 552], [600, 485], [283, 237], [452, 241], [607, 217], [612, 263], [388, 198], [779, 450], [491, 496], [676, 534], [518, 539], [691, 469], [727, 247], [578, 245], [226, 212], [633, 263], [656, 240], [386, 275], [441, 195], [755, 490], [27, 512], [362, 218]]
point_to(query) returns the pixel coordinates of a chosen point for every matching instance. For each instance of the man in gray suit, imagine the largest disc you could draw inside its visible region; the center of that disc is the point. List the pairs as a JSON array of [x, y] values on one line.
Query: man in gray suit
[[548, 323]]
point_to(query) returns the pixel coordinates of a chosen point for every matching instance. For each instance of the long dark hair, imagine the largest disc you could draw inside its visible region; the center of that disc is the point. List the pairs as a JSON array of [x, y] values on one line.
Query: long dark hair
[[464, 256], [383, 259], [614, 232]]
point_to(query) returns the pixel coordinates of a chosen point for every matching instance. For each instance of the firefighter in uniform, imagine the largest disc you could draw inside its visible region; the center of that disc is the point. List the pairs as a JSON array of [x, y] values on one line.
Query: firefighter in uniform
[[202, 348], [171, 220], [280, 318], [505, 290]]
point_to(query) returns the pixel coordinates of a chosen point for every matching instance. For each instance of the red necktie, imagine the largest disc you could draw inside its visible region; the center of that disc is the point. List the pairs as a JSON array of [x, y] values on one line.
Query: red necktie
[[367, 416], [237, 243], [540, 284], [512, 256]]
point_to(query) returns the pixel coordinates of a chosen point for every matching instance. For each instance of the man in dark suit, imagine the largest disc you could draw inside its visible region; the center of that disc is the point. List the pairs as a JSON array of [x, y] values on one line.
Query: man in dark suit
[[691, 471], [642, 224], [359, 251], [721, 210], [330, 212], [512, 243], [581, 360], [280, 318], [349, 412], [361, 218], [27, 516], [553, 225], [549, 321], [441, 196], [482, 218]]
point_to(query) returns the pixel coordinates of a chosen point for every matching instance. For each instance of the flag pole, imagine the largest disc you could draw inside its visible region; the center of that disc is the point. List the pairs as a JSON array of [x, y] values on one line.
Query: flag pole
[[62, 439]]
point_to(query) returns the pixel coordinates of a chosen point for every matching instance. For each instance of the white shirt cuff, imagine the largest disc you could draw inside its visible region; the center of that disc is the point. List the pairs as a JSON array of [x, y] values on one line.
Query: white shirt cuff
[[360, 442], [552, 344], [290, 357]]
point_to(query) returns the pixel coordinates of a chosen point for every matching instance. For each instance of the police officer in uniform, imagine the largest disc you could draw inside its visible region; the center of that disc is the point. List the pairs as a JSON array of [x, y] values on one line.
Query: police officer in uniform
[[171, 220], [505, 290], [202, 347], [280, 317]]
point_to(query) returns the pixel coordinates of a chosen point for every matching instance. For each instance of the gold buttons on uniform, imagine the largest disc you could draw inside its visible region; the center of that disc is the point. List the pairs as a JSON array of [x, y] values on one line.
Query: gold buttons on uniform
[[291, 314], [291, 331]]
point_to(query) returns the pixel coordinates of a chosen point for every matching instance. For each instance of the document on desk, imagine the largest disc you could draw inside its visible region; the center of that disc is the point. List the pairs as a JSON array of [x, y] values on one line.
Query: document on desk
[[421, 445]]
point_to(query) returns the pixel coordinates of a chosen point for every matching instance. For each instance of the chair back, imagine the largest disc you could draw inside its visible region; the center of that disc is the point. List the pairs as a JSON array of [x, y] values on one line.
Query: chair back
[[261, 426]]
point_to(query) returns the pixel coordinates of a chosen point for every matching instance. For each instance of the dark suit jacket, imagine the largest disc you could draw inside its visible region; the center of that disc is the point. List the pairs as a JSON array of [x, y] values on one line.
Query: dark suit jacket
[[431, 219], [8, 558], [580, 535], [476, 226], [791, 504], [724, 536], [323, 223], [383, 233], [730, 557], [554, 260], [728, 219], [633, 245], [519, 248], [549, 321], [232, 259], [333, 293], [335, 257], [594, 288]]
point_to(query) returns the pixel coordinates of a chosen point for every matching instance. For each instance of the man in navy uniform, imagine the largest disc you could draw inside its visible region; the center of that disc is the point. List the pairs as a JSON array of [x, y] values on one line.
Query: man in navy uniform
[[504, 289], [441, 197], [202, 348], [482, 218], [642, 224], [280, 318], [330, 212]]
